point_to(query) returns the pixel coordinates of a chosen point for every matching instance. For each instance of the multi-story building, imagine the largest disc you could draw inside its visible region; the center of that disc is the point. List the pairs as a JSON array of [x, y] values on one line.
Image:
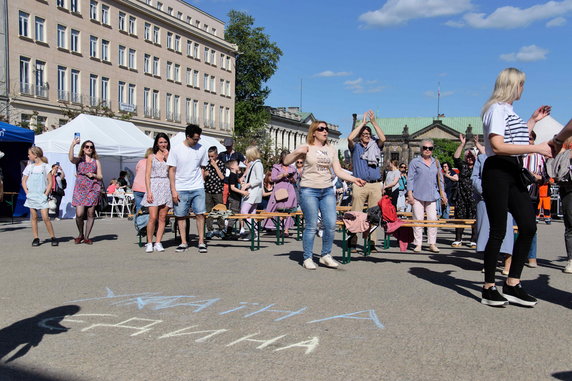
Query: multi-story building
[[164, 62], [288, 128]]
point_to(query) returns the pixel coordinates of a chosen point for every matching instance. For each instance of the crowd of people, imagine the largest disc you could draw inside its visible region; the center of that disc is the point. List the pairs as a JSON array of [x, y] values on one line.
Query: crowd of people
[[489, 184]]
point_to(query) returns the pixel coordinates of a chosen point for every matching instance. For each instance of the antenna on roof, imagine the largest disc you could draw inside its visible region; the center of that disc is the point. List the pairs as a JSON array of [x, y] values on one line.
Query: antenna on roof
[[438, 99]]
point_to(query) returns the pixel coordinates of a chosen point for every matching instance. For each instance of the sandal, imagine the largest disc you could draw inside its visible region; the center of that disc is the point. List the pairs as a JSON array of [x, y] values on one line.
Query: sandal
[[456, 244], [78, 240], [88, 241]]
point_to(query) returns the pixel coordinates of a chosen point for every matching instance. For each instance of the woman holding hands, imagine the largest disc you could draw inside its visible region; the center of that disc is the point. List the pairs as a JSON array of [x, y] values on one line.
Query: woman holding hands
[[316, 191]]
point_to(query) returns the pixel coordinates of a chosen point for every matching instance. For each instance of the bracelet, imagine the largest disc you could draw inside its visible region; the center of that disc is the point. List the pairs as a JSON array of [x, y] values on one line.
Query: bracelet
[[557, 141]]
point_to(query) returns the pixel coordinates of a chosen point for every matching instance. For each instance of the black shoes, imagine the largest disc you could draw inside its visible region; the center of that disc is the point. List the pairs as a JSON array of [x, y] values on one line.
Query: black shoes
[[517, 295], [36, 242], [492, 297], [54, 241]]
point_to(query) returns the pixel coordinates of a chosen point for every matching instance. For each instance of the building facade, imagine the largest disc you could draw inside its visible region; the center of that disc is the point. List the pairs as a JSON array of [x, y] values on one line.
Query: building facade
[[163, 63], [288, 128]]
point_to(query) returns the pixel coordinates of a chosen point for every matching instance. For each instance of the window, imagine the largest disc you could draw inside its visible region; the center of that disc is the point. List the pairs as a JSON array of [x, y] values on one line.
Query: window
[[121, 21], [61, 39], [196, 79], [169, 69], [131, 94], [93, 9], [207, 55], [222, 61], [228, 67], [221, 87], [62, 85], [197, 23], [121, 92], [180, 15], [61, 3], [170, 10], [146, 63], [189, 48], [40, 29], [213, 31], [189, 77], [156, 35], [74, 41], [206, 82], [227, 112], [159, 5], [132, 25], [156, 66], [213, 84], [93, 101], [221, 118], [189, 20], [169, 40], [146, 101], [104, 91], [212, 116], [177, 73], [74, 86], [24, 24], [205, 27], [178, 43], [147, 32], [155, 104], [196, 54], [41, 85], [93, 46], [168, 98], [228, 89], [205, 114], [74, 7], [25, 87], [104, 14], [121, 55], [176, 109], [105, 50], [131, 60], [213, 57]]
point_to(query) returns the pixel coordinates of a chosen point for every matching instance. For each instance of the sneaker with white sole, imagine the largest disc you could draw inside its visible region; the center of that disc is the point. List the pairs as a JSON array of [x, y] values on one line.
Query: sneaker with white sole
[[328, 261], [517, 295], [456, 244], [149, 247], [309, 264], [202, 248], [159, 247], [182, 247], [492, 297], [568, 268]]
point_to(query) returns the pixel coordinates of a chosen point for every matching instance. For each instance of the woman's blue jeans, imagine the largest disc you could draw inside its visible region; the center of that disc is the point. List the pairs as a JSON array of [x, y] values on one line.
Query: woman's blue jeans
[[312, 201]]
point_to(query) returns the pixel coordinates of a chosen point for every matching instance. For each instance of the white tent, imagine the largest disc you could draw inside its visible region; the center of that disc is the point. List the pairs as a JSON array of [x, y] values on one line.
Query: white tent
[[119, 144], [205, 141]]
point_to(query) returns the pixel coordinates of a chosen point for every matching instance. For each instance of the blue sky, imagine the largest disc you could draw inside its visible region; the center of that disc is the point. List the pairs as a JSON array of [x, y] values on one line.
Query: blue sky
[[390, 55]]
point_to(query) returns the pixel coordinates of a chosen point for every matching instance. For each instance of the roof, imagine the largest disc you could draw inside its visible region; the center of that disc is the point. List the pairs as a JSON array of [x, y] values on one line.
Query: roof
[[10, 133], [394, 126]]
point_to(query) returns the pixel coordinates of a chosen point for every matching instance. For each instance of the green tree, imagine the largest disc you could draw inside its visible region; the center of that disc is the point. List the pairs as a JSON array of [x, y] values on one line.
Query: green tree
[[256, 62], [444, 150]]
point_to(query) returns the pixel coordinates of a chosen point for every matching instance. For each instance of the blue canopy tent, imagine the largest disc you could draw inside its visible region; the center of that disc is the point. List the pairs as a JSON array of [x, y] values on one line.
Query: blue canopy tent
[[14, 142]]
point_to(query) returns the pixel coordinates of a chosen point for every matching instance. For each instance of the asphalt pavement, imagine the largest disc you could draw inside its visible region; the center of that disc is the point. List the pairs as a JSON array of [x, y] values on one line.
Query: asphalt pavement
[[112, 312]]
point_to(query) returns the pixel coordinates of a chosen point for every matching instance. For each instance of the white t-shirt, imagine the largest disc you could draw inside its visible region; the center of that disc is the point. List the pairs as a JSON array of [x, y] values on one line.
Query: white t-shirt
[[188, 162], [500, 119], [33, 168]]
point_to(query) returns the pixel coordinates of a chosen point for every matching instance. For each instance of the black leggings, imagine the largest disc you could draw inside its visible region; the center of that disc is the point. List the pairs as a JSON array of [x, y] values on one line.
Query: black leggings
[[503, 192]]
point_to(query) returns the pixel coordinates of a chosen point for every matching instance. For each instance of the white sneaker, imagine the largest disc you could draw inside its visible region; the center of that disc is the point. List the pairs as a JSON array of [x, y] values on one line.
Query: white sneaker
[[568, 268], [158, 247], [309, 264], [149, 247], [328, 261]]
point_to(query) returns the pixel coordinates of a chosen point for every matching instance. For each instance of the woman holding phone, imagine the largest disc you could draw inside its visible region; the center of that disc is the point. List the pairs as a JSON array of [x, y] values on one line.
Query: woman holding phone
[[506, 138], [86, 189]]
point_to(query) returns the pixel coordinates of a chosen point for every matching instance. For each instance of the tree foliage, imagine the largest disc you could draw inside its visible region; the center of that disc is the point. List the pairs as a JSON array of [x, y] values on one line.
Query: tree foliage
[[444, 150], [256, 62]]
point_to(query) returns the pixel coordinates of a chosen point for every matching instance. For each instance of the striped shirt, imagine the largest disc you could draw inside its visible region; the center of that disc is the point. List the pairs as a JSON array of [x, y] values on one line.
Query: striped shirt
[[500, 119]]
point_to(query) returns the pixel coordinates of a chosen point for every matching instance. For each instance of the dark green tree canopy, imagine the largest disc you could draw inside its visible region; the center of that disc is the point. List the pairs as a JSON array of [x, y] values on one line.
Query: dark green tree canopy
[[256, 62]]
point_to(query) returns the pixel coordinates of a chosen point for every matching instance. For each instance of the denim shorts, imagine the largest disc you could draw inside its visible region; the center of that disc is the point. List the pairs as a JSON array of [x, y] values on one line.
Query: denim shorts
[[193, 199]]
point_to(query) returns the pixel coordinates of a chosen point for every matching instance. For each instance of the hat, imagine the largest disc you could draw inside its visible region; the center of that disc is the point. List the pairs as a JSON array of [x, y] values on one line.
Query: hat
[[228, 142]]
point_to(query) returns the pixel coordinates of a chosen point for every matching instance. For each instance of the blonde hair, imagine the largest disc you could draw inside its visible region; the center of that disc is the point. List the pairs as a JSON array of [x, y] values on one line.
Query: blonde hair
[[252, 153], [506, 87], [38, 152], [313, 127], [148, 152]]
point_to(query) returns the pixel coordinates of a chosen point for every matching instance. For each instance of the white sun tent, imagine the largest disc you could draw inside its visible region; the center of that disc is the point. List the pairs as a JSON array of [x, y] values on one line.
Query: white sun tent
[[119, 144]]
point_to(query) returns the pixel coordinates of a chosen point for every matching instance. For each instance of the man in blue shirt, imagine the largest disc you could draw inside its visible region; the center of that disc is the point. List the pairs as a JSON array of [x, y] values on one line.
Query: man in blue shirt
[[366, 165]]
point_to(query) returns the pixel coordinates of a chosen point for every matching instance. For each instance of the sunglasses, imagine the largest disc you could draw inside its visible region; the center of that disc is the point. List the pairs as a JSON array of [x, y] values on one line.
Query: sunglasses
[[88, 147], [403, 166], [299, 162], [425, 148], [322, 129]]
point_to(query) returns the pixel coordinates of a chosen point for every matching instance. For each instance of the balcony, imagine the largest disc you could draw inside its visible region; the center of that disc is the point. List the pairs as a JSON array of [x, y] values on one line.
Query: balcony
[[192, 120], [41, 91], [63, 96], [25, 88], [177, 117], [93, 101], [75, 98], [150, 112]]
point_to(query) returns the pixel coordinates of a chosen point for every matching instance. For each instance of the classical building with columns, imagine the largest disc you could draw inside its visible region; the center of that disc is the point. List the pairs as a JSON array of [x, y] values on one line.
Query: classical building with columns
[[288, 128], [404, 135]]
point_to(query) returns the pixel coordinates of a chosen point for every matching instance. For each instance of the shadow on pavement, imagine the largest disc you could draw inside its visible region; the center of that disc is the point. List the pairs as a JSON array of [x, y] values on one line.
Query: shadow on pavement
[[29, 332], [542, 290], [564, 376], [445, 279], [11, 373]]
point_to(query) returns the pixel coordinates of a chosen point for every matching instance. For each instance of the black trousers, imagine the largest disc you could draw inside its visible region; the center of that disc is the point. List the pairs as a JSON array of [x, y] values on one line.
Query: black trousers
[[504, 192]]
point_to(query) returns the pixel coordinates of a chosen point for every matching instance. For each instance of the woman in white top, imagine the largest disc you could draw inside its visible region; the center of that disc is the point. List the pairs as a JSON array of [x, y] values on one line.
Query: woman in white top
[[317, 192], [37, 183], [506, 141], [253, 178], [391, 186]]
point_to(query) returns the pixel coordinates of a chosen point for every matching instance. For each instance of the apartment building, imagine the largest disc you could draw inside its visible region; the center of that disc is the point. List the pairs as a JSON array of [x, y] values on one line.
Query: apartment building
[[164, 63]]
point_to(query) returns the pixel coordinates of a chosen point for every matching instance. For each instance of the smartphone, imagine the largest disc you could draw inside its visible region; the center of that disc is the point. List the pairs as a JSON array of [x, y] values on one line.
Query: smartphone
[[57, 163], [76, 135]]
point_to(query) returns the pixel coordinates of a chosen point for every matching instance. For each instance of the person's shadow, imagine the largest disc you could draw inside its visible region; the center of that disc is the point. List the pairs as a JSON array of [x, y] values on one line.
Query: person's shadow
[[29, 332]]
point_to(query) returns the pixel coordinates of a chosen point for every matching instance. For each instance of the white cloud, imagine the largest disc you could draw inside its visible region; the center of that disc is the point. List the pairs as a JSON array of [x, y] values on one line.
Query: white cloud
[[512, 17], [433, 94], [398, 12], [526, 54], [329, 73], [359, 86], [558, 21]]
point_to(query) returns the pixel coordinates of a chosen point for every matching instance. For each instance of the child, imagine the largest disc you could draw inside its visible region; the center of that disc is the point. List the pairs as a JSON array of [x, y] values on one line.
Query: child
[[112, 186], [37, 183], [235, 193]]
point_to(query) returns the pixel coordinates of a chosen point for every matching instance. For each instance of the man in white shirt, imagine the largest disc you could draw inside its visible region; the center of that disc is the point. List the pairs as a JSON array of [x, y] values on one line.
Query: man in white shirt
[[186, 163]]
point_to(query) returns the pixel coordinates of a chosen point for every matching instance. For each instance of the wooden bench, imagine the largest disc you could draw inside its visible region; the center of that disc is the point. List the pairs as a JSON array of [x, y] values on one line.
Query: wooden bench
[[440, 224]]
